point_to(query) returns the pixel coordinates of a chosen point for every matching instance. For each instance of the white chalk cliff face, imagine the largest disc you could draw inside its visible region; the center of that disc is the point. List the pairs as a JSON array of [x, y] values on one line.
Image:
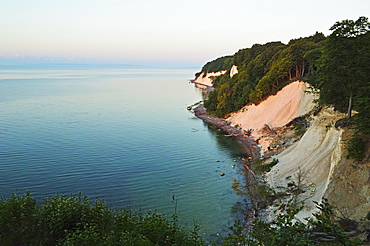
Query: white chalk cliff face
[[233, 71], [319, 155], [316, 156], [277, 110], [207, 79]]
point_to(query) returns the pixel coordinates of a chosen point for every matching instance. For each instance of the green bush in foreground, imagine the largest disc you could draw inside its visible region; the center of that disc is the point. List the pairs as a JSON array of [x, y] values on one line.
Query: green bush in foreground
[[74, 220], [285, 230]]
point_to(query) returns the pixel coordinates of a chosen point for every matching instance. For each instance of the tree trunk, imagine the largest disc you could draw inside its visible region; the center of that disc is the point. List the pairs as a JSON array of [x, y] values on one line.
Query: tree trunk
[[303, 68], [349, 112], [296, 70]]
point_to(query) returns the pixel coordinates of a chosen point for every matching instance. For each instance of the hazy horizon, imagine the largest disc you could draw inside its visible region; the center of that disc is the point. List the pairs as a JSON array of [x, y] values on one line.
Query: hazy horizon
[[157, 33]]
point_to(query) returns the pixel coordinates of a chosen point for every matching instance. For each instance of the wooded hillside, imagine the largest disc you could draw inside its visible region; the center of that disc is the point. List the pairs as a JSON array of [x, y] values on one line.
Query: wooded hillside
[[263, 70], [337, 65]]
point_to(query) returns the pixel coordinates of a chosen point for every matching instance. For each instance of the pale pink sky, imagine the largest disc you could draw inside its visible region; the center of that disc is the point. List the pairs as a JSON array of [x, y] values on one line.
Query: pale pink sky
[[166, 32]]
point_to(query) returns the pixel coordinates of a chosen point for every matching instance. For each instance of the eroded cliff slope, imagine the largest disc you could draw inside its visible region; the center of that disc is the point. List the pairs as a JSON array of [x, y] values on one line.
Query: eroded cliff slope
[[319, 156], [294, 100], [314, 157]]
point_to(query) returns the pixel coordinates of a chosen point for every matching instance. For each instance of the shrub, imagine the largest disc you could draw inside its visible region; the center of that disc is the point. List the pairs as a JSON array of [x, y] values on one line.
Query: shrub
[[75, 220], [356, 147], [18, 220], [262, 167], [286, 230]]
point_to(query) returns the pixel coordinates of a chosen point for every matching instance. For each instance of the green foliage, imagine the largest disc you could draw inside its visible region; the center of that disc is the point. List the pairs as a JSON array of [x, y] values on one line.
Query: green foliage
[[362, 103], [356, 147], [342, 74], [74, 220], [300, 125], [285, 230], [263, 70], [239, 188], [262, 167], [63, 214], [342, 71], [351, 29], [325, 222], [219, 64], [19, 220], [262, 195]]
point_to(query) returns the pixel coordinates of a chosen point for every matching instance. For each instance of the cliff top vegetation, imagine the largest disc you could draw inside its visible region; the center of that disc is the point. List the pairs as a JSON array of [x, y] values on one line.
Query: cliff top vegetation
[[338, 65], [263, 70]]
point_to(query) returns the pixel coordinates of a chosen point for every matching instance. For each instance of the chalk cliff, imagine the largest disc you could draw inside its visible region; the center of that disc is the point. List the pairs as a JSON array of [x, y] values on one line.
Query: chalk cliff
[[233, 71], [277, 110], [319, 155], [316, 155], [206, 79], [292, 101]]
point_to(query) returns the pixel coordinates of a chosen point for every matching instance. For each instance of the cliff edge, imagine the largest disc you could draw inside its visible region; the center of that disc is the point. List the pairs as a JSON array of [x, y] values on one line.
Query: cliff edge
[[276, 111], [318, 156]]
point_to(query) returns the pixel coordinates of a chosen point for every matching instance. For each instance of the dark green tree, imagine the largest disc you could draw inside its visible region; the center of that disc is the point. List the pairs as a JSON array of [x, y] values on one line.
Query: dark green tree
[[342, 69], [219, 64]]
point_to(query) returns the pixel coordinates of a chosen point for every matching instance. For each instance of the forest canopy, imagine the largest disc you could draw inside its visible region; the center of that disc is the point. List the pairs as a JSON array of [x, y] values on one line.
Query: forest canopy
[[263, 70], [220, 64], [342, 73]]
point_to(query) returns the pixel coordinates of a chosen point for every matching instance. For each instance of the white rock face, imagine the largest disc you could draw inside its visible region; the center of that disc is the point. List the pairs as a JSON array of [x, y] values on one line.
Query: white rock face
[[277, 110], [316, 155], [207, 80], [319, 155], [233, 71]]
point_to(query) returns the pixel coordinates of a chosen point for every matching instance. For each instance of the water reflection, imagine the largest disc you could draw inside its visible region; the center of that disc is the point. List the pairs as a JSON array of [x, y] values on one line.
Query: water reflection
[[120, 136]]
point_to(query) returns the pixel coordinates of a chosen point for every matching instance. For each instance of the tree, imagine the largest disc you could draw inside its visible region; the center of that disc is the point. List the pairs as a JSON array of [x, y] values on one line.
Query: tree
[[74, 220], [363, 95], [351, 29], [341, 70], [263, 70]]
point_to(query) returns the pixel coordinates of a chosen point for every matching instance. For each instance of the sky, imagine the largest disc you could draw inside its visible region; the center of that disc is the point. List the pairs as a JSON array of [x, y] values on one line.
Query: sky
[[164, 33]]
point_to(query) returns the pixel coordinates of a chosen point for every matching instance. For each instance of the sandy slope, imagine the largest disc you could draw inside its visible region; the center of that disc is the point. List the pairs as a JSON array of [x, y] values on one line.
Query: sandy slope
[[276, 110], [317, 153]]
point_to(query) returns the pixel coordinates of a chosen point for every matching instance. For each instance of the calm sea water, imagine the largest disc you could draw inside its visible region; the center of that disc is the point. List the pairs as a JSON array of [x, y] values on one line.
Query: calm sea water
[[122, 135]]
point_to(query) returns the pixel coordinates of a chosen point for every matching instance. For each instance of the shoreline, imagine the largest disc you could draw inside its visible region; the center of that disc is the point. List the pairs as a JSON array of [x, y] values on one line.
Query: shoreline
[[247, 141], [252, 210], [202, 86]]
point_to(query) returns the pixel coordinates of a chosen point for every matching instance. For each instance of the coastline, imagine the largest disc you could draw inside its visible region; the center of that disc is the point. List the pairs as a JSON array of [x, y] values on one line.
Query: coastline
[[202, 86], [253, 180], [247, 141]]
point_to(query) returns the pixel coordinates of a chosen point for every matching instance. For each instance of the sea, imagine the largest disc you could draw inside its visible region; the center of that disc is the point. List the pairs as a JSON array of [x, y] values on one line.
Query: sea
[[121, 134]]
